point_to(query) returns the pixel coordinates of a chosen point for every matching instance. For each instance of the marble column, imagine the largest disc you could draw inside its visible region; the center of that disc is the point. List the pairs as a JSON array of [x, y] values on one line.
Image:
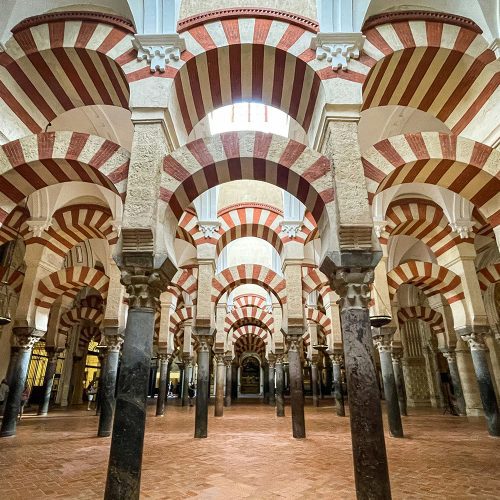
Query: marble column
[[383, 345], [14, 353], [293, 338], [400, 380], [229, 380], [486, 390], [127, 443], [219, 389], [25, 338], [272, 395], [234, 382], [48, 379], [203, 385], [165, 363], [180, 387], [265, 369], [280, 386], [314, 382], [188, 365], [108, 384], [371, 471], [338, 393], [456, 383]]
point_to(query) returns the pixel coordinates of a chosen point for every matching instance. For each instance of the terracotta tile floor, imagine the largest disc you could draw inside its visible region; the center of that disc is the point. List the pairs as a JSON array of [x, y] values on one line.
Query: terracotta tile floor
[[249, 454]]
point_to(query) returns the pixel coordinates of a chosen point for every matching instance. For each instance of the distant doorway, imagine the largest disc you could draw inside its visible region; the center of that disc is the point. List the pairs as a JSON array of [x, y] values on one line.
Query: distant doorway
[[250, 376]]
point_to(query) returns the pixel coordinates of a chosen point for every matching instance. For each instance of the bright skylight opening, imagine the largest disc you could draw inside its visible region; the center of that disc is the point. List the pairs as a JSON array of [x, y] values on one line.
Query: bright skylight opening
[[249, 116]]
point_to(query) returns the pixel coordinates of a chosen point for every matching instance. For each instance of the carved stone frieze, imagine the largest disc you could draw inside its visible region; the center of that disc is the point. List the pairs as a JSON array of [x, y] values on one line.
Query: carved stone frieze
[[158, 49], [338, 48]]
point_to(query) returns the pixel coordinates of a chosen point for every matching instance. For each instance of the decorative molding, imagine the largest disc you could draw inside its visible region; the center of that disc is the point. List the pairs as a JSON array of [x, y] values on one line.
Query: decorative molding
[[291, 227], [94, 17], [495, 47], [355, 237], [116, 225], [379, 226], [38, 225], [462, 227], [252, 12], [338, 48], [209, 228], [159, 49], [419, 15], [236, 206]]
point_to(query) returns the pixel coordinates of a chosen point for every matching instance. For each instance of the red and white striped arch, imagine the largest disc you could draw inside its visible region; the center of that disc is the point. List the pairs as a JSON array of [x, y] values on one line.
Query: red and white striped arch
[[312, 279], [423, 220], [242, 220], [204, 163], [250, 300], [250, 338], [430, 278], [49, 158], [69, 282], [438, 63], [75, 224], [258, 60], [243, 274], [76, 315], [466, 167], [179, 316], [319, 318], [12, 277], [9, 224], [184, 281], [86, 335], [488, 275], [430, 316], [93, 301], [63, 60], [248, 315]]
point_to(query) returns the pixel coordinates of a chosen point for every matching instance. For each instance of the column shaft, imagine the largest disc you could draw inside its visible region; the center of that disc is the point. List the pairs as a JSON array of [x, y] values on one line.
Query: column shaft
[[202, 389], [296, 387], [16, 389], [390, 391], [266, 383], [108, 390], [125, 457], [219, 388], [48, 381], [164, 380], [229, 380], [314, 383], [280, 388], [272, 395], [456, 382], [400, 383], [185, 381], [337, 387]]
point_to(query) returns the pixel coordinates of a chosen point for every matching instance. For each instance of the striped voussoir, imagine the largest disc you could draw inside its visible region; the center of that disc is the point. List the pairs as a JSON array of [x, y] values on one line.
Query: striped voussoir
[[184, 281], [249, 299], [248, 315], [92, 301], [12, 277], [312, 279], [430, 316], [48, 158], [65, 60], [11, 222], [466, 167], [86, 335], [69, 282], [488, 275], [74, 224], [176, 319], [443, 69], [428, 277], [319, 318], [204, 163], [264, 60], [250, 338], [423, 220], [232, 277], [78, 314]]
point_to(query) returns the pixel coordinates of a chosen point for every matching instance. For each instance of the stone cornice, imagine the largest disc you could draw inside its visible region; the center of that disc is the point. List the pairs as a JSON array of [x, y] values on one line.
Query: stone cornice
[[247, 12], [94, 17], [419, 15]]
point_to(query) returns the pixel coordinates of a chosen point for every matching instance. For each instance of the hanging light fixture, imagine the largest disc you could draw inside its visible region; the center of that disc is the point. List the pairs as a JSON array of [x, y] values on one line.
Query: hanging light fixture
[[6, 292]]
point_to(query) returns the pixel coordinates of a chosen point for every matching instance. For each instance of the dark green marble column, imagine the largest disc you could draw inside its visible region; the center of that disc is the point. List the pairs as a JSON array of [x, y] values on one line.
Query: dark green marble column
[[294, 338], [48, 379], [280, 386], [204, 337], [338, 393], [451, 358], [229, 380], [400, 380]]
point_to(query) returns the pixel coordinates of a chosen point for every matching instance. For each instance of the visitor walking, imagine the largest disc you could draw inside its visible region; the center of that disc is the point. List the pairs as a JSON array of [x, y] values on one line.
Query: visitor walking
[[191, 393], [91, 393], [24, 399]]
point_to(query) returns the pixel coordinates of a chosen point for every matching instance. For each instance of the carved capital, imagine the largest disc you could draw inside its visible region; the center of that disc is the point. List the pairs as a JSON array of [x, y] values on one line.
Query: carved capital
[[209, 228], [462, 227], [204, 343], [158, 49], [379, 226], [353, 287], [450, 356], [228, 360], [187, 359], [476, 341], [293, 342], [338, 48], [143, 289], [38, 225], [337, 358], [26, 337], [397, 355], [113, 342], [280, 358], [291, 227], [383, 343]]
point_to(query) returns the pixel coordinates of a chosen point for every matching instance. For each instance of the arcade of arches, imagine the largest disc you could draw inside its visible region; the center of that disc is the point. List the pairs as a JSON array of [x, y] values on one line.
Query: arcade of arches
[[226, 204]]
